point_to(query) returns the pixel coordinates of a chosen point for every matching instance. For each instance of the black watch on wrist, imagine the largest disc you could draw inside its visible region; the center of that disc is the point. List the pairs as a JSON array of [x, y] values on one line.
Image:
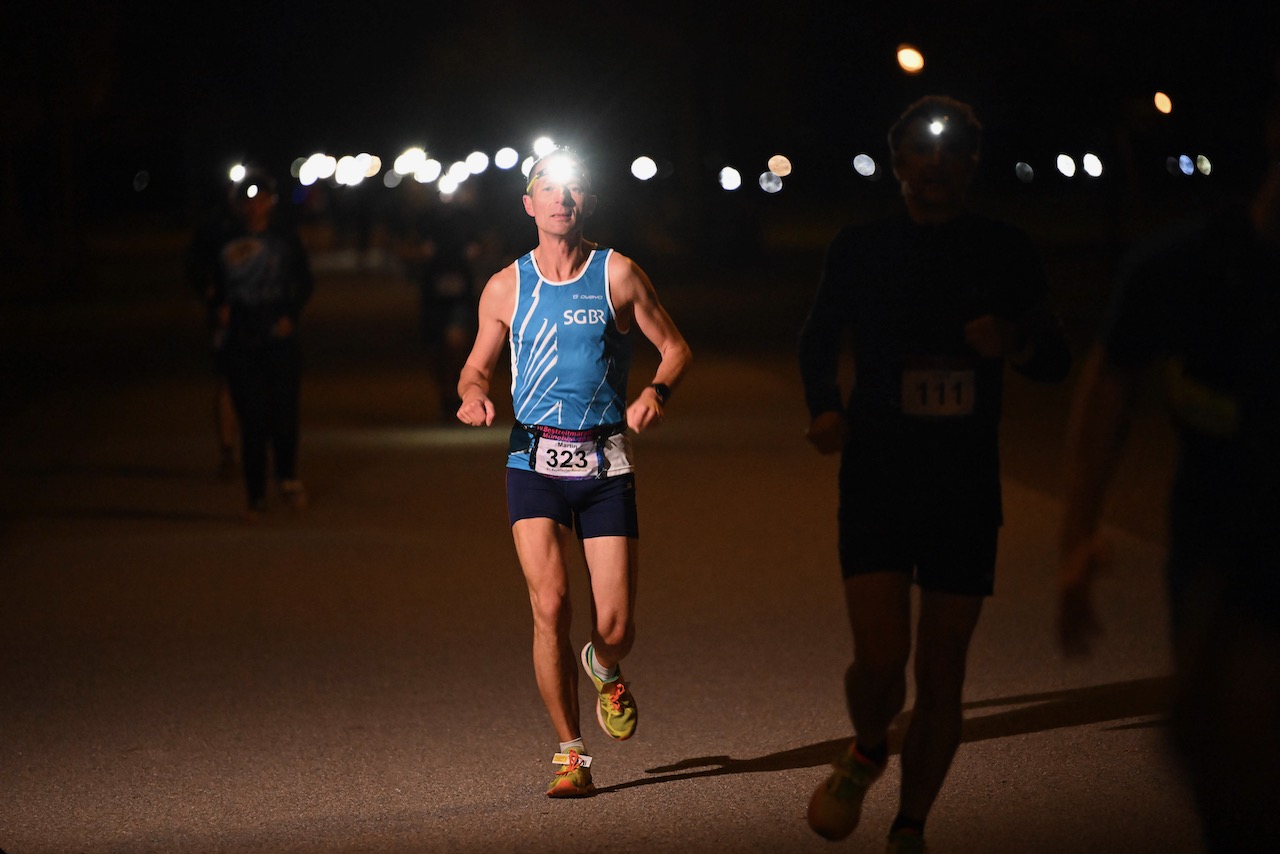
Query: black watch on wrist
[[663, 391]]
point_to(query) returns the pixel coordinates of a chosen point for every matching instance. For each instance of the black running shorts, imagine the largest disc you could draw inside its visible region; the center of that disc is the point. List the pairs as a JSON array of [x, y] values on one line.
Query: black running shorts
[[594, 507], [949, 556]]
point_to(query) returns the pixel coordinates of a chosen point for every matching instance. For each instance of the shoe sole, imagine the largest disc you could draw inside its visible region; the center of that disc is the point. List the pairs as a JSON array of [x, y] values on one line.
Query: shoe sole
[[572, 792]]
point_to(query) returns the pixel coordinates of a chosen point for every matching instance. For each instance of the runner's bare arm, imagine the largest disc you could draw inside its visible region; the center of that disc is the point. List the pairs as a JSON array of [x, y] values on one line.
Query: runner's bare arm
[[634, 295], [473, 381]]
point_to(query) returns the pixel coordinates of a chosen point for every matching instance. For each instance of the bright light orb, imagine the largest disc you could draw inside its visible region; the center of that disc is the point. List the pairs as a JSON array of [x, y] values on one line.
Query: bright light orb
[[780, 165], [1067, 165], [937, 126], [770, 182], [1024, 172], [1185, 165], [542, 146], [349, 172], [864, 165], [410, 161], [459, 171], [237, 173], [428, 171], [643, 168], [506, 158], [730, 178], [1163, 103], [1203, 164], [477, 162], [318, 167], [1092, 165], [910, 59]]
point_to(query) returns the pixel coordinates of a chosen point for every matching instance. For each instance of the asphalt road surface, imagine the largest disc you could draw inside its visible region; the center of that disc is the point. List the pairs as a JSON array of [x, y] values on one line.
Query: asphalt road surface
[[356, 677]]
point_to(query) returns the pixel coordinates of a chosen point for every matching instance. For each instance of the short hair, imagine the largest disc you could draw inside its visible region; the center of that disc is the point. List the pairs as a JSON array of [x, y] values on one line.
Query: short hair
[[941, 108]]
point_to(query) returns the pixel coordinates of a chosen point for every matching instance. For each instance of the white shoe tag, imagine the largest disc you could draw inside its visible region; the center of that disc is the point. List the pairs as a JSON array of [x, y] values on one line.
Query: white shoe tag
[[563, 759]]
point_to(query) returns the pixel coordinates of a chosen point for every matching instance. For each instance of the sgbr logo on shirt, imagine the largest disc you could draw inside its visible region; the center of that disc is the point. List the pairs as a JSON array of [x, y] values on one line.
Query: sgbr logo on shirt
[[584, 316]]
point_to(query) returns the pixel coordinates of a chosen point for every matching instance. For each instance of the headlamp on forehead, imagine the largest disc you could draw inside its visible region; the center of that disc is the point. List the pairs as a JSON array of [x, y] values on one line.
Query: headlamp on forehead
[[558, 167]]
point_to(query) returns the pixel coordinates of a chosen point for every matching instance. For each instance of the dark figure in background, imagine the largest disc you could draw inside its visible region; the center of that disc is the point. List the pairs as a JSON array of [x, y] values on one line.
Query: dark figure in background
[[442, 249], [262, 281], [200, 266], [1204, 300], [938, 300]]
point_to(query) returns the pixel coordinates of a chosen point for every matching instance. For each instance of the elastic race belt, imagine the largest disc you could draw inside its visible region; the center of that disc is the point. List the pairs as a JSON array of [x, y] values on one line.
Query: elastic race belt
[[556, 452]]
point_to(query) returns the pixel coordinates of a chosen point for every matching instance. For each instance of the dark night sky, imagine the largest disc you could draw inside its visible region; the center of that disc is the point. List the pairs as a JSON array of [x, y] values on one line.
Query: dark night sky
[[183, 91]]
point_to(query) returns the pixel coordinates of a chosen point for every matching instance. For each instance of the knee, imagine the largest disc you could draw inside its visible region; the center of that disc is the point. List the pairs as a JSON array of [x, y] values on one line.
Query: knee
[[881, 660], [939, 686], [615, 630], [552, 609]]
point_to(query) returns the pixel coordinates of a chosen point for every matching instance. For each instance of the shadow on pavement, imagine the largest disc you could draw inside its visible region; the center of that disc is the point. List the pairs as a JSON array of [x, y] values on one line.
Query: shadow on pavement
[[1095, 704]]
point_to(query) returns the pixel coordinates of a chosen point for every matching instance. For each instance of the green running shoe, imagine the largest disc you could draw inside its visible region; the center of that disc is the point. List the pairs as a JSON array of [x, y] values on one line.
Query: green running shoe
[[836, 806], [573, 780], [616, 710]]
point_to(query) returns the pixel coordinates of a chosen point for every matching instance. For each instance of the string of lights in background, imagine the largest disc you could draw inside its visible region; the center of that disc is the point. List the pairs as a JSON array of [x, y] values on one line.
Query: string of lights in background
[[417, 164]]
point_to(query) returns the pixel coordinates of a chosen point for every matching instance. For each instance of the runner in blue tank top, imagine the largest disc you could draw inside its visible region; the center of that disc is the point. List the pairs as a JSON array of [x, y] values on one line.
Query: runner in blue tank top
[[566, 309]]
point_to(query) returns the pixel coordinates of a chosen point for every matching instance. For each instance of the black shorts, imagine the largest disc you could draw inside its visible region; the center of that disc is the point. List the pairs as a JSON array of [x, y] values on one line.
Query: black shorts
[[594, 507], [955, 556]]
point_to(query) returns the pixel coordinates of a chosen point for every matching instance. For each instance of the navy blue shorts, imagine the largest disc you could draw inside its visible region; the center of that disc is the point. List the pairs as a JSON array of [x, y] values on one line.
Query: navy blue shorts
[[594, 507]]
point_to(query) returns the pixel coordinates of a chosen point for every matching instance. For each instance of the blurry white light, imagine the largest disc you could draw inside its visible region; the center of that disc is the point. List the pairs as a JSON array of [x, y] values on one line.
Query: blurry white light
[[1067, 165], [429, 171], [1203, 164], [448, 185], [936, 127], [644, 168], [1024, 172], [1185, 165], [317, 167], [477, 162], [371, 163], [410, 161], [730, 178], [528, 164], [323, 165], [864, 165], [780, 165], [391, 178], [506, 158], [459, 171], [349, 172], [237, 173], [1092, 165], [1163, 103], [910, 59], [542, 146], [770, 182]]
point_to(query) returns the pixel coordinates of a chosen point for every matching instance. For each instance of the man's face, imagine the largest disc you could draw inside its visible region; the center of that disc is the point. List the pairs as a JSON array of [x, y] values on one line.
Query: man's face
[[558, 198], [935, 163]]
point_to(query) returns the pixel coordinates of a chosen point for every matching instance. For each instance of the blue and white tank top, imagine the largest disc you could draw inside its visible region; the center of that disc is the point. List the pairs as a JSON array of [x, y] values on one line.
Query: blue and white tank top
[[569, 359]]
